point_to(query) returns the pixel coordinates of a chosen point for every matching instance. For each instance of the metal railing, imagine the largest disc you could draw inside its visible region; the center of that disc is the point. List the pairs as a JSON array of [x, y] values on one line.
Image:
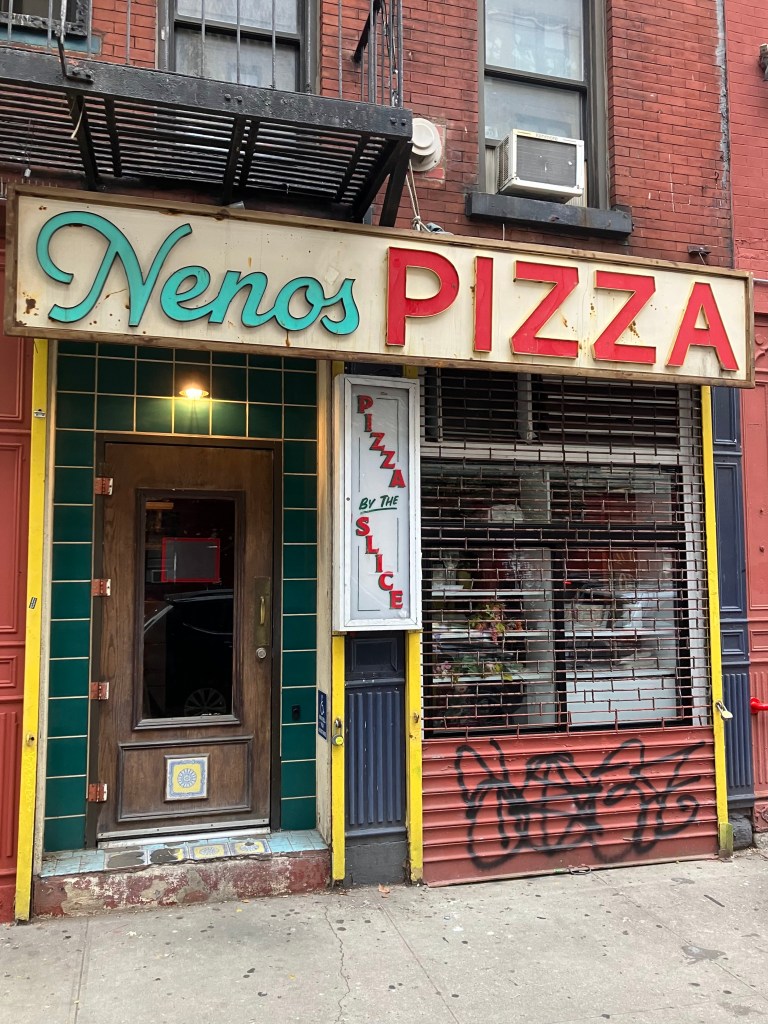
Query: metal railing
[[272, 44], [379, 53]]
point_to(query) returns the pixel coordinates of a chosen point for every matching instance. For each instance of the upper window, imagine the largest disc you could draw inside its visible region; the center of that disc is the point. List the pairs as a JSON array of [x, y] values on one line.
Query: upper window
[[237, 41], [541, 76], [44, 14]]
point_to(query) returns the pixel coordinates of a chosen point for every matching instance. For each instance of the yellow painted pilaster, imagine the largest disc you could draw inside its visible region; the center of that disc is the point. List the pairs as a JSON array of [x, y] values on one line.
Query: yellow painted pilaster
[[413, 755], [724, 829], [338, 795], [338, 766], [33, 637]]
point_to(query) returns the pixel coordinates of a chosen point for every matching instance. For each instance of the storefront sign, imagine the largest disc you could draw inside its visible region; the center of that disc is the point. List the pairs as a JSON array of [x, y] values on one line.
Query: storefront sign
[[101, 268], [377, 484]]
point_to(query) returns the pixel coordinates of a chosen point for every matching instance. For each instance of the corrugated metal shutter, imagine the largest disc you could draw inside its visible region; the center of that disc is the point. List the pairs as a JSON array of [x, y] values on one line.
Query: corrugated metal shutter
[[509, 805], [563, 565]]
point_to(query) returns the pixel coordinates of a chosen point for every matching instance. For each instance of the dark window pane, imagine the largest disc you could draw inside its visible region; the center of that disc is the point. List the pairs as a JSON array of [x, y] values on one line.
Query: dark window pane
[[44, 9], [188, 605]]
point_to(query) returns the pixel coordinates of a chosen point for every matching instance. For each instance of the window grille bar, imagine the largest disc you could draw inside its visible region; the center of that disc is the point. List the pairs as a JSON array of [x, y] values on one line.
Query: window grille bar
[[274, 43], [237, 36]]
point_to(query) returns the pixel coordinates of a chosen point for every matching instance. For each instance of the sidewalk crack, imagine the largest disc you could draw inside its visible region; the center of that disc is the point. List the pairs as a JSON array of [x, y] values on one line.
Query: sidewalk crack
[[81, 974], [343, 973]]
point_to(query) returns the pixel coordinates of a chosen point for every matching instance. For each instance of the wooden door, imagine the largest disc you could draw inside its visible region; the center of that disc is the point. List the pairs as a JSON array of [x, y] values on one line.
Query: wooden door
[[186, 644]]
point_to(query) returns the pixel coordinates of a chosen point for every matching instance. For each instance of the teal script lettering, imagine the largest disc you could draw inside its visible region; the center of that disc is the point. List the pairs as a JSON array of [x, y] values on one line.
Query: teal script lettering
[[182, 287]]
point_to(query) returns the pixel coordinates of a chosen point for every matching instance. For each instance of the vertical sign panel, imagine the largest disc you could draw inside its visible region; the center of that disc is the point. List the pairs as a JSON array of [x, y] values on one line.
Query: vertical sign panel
[[377, 482]]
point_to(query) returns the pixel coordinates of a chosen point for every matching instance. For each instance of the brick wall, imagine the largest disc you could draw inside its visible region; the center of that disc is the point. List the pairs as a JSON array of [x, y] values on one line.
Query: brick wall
[[747, 27], [665, 131], [664, 123], [126, 38]]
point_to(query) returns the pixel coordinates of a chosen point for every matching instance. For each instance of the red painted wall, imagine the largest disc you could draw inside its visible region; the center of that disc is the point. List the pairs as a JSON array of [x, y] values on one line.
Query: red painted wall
[[747, 27], [15, 385]]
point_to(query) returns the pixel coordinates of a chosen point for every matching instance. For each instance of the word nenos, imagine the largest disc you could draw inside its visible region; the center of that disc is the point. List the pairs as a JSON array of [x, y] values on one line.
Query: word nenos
[[183, 286]]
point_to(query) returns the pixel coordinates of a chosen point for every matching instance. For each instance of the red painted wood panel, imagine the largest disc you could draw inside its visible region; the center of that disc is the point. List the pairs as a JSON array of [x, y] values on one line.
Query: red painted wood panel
[[15, 397], [512, 805], [755, 439]]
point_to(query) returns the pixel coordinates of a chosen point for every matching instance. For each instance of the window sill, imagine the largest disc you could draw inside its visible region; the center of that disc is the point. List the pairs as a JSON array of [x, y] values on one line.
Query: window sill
[[537, 213]]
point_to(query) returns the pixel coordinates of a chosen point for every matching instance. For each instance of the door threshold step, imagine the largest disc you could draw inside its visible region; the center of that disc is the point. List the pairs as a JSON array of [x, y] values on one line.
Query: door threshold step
[[139, 854], [199, 870]]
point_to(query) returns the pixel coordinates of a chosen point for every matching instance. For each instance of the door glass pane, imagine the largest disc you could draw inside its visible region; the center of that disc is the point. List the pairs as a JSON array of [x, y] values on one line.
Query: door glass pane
[[217, 58], [250, 13], [532, 108], [188, 605], [541, 36]]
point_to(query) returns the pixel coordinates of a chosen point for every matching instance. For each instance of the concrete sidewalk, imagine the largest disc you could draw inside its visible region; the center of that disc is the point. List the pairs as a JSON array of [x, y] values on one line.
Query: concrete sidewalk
[[683, 943]]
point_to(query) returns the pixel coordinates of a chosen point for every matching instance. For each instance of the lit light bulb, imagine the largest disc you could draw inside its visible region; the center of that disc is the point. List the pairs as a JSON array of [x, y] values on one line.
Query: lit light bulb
[[193, 392]]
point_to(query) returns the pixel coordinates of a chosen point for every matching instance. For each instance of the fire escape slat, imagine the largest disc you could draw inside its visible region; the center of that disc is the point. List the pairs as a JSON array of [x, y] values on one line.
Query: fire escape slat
[[79, 115], [114, 140], [233, 158]]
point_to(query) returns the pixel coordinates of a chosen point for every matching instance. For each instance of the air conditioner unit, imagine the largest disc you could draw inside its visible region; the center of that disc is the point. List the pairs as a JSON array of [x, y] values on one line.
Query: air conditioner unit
[[541, 166]]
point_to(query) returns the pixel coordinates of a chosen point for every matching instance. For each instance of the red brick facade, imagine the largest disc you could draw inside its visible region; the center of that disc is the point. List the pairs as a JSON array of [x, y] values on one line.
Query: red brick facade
[[747, 27], [666, 134]]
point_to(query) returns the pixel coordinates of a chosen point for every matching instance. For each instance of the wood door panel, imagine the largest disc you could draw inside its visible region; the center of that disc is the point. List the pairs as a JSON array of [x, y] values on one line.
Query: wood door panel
[[140, 471], [143, 778]]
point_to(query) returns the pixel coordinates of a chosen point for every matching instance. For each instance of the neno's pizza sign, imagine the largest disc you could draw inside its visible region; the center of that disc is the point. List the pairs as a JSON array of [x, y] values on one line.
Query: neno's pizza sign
[[104, 268]]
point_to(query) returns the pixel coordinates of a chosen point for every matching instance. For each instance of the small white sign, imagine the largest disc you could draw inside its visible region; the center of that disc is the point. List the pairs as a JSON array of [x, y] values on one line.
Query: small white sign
[[378, 582]]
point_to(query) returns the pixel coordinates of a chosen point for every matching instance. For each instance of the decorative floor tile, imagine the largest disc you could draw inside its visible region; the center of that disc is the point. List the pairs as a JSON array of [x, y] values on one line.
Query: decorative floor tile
[[207, 851], [250, 846]]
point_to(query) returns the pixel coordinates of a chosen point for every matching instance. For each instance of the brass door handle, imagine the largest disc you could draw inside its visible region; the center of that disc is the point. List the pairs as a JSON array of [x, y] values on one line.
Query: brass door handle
[[262, 613]]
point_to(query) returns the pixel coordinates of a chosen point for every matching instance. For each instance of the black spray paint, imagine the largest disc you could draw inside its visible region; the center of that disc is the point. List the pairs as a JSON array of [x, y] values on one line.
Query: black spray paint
[[650, 789]]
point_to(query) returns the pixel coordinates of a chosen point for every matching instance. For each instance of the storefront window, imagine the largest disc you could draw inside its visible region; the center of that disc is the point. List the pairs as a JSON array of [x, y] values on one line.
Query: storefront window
[[558, 586]]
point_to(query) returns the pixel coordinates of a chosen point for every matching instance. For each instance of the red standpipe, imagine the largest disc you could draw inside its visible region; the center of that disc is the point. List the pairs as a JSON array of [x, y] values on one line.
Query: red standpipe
[[756, 705]]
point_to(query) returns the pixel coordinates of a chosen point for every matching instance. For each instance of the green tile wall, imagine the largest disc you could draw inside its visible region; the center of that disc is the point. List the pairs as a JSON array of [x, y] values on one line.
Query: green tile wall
[[126, 388]]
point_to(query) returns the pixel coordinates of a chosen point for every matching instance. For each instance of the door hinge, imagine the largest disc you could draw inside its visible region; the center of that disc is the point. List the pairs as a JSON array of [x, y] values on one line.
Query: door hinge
[[101, 588], [103, 485], [99, 690], [97, 793]]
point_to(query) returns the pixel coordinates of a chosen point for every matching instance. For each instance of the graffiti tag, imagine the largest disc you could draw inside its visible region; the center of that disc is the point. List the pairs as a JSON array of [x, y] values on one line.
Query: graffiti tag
[[558, 806]]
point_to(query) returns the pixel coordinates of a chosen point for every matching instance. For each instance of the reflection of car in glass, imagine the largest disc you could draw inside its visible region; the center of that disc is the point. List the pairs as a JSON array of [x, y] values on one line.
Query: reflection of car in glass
[[188, 654]]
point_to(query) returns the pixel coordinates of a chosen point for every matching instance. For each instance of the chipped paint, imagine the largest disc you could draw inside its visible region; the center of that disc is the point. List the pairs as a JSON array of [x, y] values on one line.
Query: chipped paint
[[177, 885]]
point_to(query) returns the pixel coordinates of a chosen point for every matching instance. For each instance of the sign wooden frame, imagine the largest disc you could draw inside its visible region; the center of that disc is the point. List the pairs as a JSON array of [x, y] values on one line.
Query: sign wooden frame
[[377, 561]]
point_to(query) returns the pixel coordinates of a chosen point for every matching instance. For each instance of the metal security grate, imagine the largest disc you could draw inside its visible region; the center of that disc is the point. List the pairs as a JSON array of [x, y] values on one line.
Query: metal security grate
[[562, 533]]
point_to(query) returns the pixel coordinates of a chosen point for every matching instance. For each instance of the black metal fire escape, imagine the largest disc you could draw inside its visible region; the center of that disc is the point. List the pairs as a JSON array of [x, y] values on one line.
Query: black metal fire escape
[[116, 125]]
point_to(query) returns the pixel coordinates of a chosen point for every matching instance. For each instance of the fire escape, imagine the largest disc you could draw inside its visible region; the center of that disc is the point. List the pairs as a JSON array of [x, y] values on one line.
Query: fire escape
[[79, 119]]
